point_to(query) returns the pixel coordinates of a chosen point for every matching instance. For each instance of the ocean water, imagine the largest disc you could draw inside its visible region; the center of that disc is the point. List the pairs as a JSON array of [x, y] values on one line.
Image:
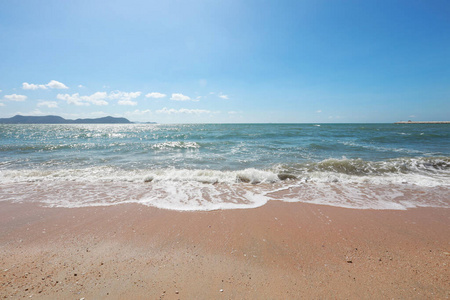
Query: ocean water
[[227, 166]]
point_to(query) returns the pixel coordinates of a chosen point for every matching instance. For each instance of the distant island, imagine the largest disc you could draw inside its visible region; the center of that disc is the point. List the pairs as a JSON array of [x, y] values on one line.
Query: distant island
[[18, 119]]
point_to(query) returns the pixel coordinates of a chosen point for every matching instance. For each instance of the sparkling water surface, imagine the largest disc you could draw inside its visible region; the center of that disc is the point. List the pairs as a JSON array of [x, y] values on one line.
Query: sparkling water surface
[[217, 147]]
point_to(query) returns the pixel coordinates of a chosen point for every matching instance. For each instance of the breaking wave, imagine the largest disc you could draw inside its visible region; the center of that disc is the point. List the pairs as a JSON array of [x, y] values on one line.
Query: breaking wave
[[351, 183], [427, 171]]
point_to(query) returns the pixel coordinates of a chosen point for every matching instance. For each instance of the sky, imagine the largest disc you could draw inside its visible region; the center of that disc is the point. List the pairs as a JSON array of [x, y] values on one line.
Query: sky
[[213, 61]]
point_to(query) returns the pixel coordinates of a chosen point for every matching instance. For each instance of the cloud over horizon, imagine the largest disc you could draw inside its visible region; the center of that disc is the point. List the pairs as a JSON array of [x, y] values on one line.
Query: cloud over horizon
[[155, 95], [100, 98], [15, 97], [180, 97], [138, 112], [97, 98], [49, 104], [53, 84], [170, 111], [124, 98]]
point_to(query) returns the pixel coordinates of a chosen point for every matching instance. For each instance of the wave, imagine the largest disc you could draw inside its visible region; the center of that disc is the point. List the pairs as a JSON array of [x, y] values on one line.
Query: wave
[[421, 165], [195, 194], [350, 183], [424, 171]]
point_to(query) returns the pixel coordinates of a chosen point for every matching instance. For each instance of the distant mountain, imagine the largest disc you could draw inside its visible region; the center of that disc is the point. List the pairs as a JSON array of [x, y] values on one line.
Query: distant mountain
[[105, 120], [60, 120]]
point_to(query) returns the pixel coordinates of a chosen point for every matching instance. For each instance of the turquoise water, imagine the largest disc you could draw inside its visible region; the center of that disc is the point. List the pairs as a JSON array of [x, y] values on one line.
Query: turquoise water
[[173, 161]]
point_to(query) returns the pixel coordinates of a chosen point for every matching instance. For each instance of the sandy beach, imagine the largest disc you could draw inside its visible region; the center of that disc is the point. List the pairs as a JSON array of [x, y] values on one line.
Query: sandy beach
[[278, 251]]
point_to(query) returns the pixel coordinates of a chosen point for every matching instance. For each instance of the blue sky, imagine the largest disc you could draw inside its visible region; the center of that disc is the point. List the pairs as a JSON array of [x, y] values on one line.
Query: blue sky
[[227, 61]]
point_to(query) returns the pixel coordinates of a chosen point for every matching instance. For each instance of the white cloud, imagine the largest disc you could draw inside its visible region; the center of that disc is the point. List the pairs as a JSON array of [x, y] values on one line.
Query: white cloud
[[98, 98], [49, 104], [319, 111], [81, 86], [138, 112], [15, 97], [167, 111], [170, 111], [123, 95], [155, 95], [2, 104], [72, 99], [31, 86], [224, 97], [53, 84], [180, 97], [127, 102]]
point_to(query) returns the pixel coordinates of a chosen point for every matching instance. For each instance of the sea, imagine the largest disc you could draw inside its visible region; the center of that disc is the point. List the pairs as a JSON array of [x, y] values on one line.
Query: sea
[[203, 167]]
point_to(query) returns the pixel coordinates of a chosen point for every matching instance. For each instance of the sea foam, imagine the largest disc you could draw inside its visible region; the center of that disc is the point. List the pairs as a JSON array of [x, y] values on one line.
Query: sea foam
[[192, 190]]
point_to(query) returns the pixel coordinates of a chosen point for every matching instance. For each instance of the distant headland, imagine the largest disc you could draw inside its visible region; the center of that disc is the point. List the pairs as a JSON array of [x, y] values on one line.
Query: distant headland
[[423, 122], [18, 119]]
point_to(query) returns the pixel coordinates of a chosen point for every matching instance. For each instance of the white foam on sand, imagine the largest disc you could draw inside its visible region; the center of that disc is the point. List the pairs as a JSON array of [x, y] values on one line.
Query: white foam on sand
[[191, 190], [205, 196]]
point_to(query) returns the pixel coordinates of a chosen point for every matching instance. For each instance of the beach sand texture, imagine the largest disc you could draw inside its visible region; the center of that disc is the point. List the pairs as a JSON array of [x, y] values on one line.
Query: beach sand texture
[[277, 251]]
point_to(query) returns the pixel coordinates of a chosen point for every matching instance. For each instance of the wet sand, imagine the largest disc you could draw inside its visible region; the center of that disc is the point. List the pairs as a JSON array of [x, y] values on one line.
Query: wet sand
[[278, 251]]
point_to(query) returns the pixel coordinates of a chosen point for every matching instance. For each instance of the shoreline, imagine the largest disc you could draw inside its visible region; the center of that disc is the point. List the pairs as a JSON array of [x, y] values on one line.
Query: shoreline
[[279, 250]]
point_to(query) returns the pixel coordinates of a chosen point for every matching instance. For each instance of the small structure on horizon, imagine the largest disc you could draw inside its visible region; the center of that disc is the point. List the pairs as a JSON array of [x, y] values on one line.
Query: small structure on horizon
[[422, 122]]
